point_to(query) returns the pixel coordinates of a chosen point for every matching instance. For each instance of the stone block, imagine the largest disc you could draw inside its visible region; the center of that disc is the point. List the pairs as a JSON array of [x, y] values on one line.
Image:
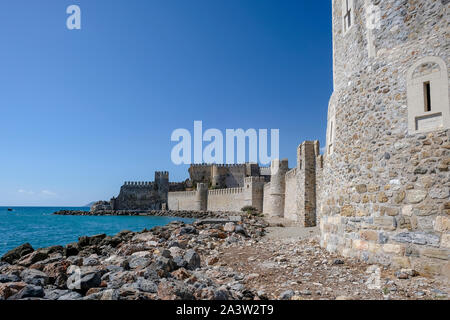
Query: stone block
[[420, 238], [407, 210], [401, 263], [385, 223], [442, 224], [348, 211], [362, 188], [415, 196], [442, 254], [445, 241], [393, 249], [369, 235], [360, 245]]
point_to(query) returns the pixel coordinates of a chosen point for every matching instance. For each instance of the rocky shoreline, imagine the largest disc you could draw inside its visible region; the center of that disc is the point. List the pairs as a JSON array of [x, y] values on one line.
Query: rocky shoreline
[[150, 213], [165, 263]]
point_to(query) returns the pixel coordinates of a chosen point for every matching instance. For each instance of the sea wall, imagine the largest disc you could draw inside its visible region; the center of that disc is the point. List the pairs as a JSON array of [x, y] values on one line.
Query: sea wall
[[232, 199], [182, 200]]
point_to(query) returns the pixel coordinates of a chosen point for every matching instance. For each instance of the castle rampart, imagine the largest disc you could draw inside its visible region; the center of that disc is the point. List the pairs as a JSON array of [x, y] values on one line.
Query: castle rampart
[[384, 188]]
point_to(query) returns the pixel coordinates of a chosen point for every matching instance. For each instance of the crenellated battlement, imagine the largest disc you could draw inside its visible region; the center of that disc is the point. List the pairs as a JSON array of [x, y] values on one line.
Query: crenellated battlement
[[219, 192], [265, 171], [161, 175], [138, 184]]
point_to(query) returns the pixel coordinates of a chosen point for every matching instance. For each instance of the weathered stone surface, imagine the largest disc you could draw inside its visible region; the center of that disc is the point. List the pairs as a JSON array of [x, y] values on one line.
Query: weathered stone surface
[[442, 224], [34, 277], [30, 291], [174, 291], [32, 258], [15, 254], [193, 260], [420, 238], [83, 281], [415, 196], [443, 254]]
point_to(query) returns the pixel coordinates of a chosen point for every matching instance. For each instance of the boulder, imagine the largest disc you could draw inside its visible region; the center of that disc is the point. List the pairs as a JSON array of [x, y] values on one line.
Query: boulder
[[71, 295], [32, 258], [91, 241], [30, 291], [174, 290], [34, 277], [83, 281], [163, 266], [14, 255], [71, 249], [287, 295], [5, 278], [192, 259]]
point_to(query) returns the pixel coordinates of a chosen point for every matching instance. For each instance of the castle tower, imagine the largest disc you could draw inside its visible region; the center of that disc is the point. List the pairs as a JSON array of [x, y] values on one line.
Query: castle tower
[[307, 153], [162, 185], [254, 192], [275, 205], [201, 197], [384, 194], [216, 177]]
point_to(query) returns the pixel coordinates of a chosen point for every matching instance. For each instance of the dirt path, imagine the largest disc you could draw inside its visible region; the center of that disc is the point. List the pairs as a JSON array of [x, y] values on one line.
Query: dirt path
[[289, 263]]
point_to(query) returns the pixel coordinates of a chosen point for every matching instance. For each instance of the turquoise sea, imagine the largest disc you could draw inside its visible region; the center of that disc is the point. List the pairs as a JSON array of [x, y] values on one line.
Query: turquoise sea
[[39, 227]]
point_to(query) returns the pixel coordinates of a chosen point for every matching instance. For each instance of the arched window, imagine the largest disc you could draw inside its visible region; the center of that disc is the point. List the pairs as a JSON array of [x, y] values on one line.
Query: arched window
[[428, 102]]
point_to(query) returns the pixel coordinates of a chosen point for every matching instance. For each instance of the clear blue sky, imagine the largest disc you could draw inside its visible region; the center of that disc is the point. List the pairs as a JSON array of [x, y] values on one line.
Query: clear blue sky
[[83, 111]]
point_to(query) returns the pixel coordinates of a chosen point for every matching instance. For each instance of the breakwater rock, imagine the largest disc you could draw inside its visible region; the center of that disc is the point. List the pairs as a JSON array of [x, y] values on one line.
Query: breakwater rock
[[176, 261], [152, 213]]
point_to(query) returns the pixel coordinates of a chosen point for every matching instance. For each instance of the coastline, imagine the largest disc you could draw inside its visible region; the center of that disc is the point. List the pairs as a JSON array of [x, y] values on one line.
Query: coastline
[[166, 262], [220, 257], [151, 213]]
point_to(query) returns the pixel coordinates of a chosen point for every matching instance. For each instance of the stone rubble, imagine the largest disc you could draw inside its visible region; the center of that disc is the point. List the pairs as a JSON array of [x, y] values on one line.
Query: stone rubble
[[204, 261]]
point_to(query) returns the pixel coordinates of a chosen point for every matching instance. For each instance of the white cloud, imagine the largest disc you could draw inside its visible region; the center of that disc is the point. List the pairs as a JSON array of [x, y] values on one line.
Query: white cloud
[[48, 193], [25, 191], [43, 193]]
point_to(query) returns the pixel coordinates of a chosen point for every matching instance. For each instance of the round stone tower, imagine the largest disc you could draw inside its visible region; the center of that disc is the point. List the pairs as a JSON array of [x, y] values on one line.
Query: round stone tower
[[275, 206], [201, 197], [384, 190]]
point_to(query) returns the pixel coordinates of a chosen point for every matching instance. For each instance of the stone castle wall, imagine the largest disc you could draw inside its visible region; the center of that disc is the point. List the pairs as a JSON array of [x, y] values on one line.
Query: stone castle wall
[[384, 190], [137, 195], [231, 199], [221, 176], [220, 200], [182, 200], [291, 195]]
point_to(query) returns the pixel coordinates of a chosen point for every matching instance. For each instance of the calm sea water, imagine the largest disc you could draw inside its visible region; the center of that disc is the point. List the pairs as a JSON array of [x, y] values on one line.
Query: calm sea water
[[39, 227]]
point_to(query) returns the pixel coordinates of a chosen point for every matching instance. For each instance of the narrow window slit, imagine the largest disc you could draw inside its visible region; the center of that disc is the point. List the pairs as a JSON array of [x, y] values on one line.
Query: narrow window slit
[[427, 96]]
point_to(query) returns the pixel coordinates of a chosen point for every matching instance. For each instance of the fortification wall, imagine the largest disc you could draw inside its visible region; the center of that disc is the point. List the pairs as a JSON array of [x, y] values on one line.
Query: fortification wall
[[200, 173], [231, 199], [384, 191], [138, 195], [182, 200], [266, 199], [291, 197]]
